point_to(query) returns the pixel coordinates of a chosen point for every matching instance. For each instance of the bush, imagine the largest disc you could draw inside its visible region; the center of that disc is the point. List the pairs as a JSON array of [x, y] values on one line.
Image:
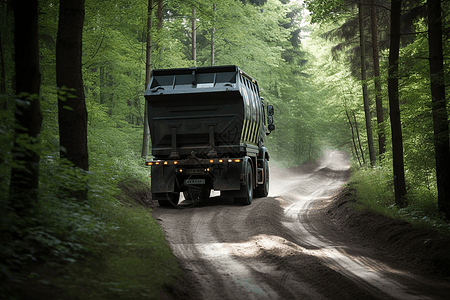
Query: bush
[[375, 191]]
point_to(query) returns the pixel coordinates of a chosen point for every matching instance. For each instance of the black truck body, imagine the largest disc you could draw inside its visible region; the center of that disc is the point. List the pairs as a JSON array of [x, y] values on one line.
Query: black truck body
[[207, 128]]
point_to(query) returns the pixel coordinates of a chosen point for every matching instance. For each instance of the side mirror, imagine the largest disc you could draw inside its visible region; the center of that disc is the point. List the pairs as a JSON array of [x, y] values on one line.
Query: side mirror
[[270, 110], [271, 127]]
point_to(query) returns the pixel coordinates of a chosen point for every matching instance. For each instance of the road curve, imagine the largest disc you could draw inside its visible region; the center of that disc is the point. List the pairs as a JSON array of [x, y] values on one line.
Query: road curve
[[279, 248]]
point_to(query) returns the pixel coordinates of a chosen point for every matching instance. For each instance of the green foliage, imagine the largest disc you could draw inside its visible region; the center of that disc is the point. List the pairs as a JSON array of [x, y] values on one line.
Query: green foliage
[[326, 10], [375, 191], [126, 257], [375, 187], [60, 228]]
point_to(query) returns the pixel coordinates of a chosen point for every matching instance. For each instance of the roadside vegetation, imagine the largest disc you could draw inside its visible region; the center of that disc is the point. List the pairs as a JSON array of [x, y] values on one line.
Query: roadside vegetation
[[375, 192], [107, 247]]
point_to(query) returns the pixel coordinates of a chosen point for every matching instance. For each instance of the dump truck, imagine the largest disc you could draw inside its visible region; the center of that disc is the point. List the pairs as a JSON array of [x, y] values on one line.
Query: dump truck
[[207, 128]]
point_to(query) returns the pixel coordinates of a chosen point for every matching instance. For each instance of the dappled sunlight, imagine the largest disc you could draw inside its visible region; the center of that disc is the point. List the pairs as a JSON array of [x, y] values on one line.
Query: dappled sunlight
[[329, 255], [226, 258]]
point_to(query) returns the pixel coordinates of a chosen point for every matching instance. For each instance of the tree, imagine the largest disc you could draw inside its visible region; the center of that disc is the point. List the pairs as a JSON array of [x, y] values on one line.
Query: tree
[[364, 87], [72, 113], [213, 32], [148, 69], [3, 75], [353, 136], [377, 82], [194, 36], [25, 172], [394, 105], [439, 106]]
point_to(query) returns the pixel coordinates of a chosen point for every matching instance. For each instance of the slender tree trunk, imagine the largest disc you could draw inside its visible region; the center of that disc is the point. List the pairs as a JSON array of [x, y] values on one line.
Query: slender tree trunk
[[159, 27], [309, 149], [364, 87], [3, 76], [24, 183], [160, 14], [102, 85], [194, 37], [148, 69], [72, 113], [394, 105], [439, 106], [359, 140], [376, 69], [213, 33], [353, 137]]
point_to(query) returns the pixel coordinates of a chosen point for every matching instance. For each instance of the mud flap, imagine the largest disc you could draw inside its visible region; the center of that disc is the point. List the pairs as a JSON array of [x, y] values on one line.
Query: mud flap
[[229, 179], [163, 179], [240, 190]]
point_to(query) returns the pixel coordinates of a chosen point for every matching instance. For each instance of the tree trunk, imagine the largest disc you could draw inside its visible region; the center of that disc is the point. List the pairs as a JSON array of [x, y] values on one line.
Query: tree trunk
[[72, 113], [148, 69], [102, 85], [160, 14], [3, 76], [24, 183], [353, 137], [213, 33], [359, 140], [440, 116], [394, 106], [194, 38], [376, 69], [364, 87]]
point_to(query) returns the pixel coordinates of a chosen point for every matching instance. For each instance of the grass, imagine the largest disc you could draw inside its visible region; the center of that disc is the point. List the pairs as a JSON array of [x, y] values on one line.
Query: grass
[[131, 260], [375, 192]]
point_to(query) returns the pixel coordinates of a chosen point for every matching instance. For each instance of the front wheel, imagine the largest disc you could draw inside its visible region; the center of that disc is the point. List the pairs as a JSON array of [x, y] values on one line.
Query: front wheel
[[248, 198]]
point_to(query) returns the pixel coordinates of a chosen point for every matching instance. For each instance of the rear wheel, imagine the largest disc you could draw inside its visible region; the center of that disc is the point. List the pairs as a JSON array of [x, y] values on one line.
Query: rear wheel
[[171, 198], [248, 198], [263, 191]]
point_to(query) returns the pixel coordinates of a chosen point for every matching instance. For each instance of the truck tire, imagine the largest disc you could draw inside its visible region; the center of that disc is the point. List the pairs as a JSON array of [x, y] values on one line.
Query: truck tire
[[263, 190], [197, 194], [247, 199], [172, 198]]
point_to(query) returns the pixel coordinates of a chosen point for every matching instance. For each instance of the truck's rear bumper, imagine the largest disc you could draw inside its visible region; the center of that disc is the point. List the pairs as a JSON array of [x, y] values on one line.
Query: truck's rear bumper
[[219, 174]]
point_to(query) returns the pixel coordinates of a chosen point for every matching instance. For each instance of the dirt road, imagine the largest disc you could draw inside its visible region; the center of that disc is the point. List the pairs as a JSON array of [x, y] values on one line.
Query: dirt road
[[280, 247]]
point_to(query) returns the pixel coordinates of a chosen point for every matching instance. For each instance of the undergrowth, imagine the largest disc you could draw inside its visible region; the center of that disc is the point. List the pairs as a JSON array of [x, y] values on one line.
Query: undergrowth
[[130, 260], [375, 191], [94, 249]]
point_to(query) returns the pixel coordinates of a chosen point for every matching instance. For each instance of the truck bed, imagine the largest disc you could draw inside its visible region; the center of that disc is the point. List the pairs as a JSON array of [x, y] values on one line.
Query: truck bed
[[211, 111]]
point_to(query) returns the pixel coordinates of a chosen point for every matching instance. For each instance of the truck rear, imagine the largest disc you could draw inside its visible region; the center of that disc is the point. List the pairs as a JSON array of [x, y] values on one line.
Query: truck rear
[[207, 128]]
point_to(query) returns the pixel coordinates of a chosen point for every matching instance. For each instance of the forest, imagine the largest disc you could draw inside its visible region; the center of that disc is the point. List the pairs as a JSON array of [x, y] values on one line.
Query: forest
[[368, 77]]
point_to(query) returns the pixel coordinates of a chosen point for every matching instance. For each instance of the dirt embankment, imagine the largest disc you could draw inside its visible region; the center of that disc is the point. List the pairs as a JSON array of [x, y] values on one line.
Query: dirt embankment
[[420, 250]]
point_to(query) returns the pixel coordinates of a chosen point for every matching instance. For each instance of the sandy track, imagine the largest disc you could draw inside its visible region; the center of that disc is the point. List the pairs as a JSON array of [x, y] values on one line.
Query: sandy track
[[280, 247]]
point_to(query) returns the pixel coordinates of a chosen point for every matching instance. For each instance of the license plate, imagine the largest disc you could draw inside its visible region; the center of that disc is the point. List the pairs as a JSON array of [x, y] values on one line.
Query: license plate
[[194, 171], [194, 181]]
